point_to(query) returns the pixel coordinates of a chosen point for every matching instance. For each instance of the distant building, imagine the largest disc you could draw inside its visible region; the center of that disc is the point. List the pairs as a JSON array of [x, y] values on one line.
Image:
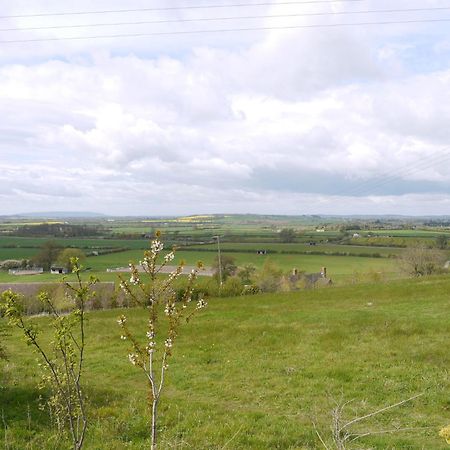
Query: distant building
[[58, 270], [317, 279], [298, 279], [33, 271], [261, 252]]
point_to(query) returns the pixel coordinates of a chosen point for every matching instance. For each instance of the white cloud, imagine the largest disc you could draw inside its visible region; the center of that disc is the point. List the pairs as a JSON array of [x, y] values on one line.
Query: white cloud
[[275, 122]]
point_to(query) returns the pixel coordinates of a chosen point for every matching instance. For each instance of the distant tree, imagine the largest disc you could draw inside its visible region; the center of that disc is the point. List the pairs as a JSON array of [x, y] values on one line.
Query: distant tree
[[420, 260], [228, 265], [287, 235], [67, 255], [246, 273], [47, 255], [59, 230], [441, 241], [269, 277]]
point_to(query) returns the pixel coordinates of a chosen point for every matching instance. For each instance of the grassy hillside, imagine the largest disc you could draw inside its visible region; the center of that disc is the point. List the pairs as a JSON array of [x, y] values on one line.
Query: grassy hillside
[[254, 372]]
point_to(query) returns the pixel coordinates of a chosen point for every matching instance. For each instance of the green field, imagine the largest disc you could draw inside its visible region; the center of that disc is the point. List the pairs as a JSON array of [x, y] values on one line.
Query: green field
[[337, 264], [303, 248], [17, 253], [255, 372], [339, 267], [419, 233], [83, 243], [241, 236]]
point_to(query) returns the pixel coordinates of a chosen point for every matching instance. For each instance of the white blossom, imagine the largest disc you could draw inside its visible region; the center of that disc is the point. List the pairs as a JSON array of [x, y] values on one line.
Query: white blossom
[[121, 320], [157, 246], [169, 257], [133, 358], [145, 263], [168, 343], [169, 309], [135, 279], [201, 304]]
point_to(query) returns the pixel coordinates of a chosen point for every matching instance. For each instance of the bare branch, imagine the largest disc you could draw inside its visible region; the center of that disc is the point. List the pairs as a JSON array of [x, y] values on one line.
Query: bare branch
[[359, 419]]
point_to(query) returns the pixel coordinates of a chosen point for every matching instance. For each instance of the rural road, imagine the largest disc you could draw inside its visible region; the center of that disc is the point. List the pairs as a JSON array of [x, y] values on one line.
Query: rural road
[[205, 272]]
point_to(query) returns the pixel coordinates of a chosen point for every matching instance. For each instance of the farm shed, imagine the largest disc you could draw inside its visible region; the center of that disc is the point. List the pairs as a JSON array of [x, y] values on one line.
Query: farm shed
[[58, 270]]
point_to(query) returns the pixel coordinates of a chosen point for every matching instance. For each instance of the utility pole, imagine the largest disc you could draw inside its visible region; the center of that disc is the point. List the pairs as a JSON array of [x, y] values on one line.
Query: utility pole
[[218, 257]]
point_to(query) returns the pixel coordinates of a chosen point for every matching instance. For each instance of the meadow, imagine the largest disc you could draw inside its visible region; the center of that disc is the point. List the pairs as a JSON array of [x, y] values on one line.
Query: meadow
[[256, 372], [339, 267], [278, 247]]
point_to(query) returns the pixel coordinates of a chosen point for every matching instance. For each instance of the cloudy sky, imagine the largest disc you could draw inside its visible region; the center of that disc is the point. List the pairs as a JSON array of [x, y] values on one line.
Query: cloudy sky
[[301, 120]]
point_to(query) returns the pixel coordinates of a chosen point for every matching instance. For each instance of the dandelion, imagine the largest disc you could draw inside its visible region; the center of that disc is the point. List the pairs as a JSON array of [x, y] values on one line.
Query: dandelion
[[445, 433]]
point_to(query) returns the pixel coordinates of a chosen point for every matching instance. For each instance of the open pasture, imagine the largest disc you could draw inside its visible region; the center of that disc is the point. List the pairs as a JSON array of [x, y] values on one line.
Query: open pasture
[[339, 267], [336, 265], [302, 248], [17, 253], [253, 373], [418, 233], [83, 243]]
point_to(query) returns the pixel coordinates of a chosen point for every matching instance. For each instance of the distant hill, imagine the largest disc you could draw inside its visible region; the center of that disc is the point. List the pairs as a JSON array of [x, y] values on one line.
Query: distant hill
[[56, 215]]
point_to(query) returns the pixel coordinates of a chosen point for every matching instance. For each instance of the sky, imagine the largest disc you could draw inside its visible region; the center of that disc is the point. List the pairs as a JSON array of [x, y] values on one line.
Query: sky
[[291, 118]]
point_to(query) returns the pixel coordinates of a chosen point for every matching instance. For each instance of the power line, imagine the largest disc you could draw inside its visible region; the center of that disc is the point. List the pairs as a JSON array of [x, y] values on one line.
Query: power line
[[225, 30], [210, 19], [177, 8], [364, 188]]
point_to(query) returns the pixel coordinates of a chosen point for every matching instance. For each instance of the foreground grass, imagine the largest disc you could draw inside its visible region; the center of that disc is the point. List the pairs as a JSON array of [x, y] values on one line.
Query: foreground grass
[[255, 372]]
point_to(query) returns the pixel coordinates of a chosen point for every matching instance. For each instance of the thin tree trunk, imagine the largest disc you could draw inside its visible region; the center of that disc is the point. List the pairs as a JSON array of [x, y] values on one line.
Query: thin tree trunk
[[154, 412]]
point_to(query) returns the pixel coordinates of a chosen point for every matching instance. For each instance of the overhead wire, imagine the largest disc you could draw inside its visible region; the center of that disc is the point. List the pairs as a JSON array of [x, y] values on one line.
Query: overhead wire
[[227, 30], [211, 19], [389, 177], [176, 8], [366, 187]]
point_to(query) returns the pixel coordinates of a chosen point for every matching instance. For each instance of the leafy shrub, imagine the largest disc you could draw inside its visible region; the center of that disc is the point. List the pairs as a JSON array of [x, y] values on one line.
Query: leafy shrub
[[269, 278], [250, 289], [232, 287]]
